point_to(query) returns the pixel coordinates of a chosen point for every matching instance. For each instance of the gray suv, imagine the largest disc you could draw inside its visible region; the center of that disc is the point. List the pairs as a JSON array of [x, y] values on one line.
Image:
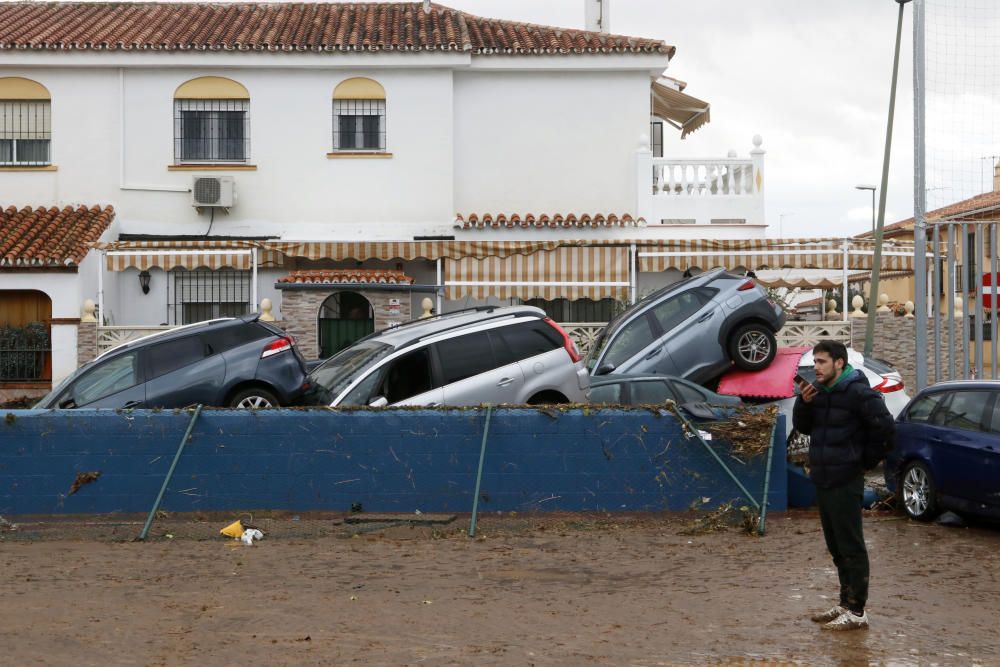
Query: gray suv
[[695, 328], [481, 355]]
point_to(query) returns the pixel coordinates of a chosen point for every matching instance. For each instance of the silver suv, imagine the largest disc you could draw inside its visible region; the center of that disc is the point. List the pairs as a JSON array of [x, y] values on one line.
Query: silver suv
[[694, 328], [470, 357]]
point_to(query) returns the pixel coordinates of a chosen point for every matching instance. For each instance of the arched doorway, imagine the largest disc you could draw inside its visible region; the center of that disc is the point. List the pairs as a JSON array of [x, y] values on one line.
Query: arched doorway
[[25, 336], [344, 317]]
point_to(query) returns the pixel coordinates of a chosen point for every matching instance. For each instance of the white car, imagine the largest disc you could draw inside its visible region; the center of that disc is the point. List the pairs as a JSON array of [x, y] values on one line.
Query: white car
[[882, 377]]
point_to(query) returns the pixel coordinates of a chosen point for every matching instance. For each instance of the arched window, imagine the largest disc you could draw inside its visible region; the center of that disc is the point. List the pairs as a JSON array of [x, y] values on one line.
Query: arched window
[[211, 122], [359, 116], [25, 123]]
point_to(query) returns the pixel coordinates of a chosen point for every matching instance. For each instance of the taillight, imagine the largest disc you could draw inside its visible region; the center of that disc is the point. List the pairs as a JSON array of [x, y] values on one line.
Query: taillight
[[276, 347], [888, 385], [568, 343], [748, 284]]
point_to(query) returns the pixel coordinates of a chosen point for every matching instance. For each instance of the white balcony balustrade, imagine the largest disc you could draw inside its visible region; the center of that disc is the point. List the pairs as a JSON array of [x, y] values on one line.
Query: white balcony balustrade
[[720, 197]]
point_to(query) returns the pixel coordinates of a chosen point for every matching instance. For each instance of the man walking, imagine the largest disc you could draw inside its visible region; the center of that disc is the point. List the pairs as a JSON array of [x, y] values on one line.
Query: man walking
[[840, 413]]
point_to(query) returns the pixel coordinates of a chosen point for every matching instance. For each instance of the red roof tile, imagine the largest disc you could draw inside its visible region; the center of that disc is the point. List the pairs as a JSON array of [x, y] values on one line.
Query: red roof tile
[[967, 209], [347, 276], [46, 237], [287, 26], [555, 221]]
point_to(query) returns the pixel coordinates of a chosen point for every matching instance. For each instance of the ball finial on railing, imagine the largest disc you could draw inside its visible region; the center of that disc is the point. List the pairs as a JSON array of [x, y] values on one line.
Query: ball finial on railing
[[857, 302], [265, 310], [426, 305], [89, 308]]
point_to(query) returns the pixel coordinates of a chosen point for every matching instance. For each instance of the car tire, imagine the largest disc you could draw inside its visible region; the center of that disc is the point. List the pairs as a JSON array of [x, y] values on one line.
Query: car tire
[[253, 399], [752, 347], [917, 492]]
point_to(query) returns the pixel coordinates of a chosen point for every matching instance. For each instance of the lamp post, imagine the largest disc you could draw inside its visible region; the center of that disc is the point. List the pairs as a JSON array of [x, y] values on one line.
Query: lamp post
[[873, 189]]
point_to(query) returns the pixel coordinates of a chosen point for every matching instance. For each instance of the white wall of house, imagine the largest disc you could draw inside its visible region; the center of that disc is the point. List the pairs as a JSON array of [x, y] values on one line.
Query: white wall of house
[[548, 142]]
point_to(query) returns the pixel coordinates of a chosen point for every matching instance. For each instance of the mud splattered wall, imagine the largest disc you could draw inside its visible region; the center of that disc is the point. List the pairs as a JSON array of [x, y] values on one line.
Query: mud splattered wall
[[388, 461]]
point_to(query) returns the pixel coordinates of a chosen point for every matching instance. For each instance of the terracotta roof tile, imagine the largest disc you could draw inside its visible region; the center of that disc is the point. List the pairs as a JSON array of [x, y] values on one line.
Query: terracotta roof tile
[[555, 221], [47, 237], [347, 276], [967, 209], [289, 26]]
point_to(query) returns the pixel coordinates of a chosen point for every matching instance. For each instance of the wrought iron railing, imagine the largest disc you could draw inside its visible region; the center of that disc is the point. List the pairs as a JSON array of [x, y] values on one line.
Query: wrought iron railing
[[25, 353]]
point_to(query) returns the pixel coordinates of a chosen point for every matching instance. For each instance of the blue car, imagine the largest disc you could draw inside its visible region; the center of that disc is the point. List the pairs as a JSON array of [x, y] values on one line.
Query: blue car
[[231, 362], [947, 453]]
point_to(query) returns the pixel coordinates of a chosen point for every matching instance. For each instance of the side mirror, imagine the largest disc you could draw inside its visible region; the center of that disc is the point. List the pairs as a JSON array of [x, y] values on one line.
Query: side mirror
[[67, 404], [378, 402], [605, 369]]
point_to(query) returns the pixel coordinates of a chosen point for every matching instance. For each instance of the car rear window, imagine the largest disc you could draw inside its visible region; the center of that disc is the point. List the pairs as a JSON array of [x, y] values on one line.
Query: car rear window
[[173, 354], [524, 340], [233, 336]]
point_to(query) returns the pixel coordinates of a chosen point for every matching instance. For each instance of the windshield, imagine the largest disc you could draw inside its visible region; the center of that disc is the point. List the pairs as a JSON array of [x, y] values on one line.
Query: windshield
[[47, 401], [336, 373]]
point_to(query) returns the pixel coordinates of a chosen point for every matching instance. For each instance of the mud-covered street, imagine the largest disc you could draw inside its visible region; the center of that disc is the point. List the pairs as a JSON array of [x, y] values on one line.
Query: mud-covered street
[[565, 590]]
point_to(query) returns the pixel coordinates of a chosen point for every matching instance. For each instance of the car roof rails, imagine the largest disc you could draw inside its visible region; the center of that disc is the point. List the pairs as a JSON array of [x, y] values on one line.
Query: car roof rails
[[504, 314]]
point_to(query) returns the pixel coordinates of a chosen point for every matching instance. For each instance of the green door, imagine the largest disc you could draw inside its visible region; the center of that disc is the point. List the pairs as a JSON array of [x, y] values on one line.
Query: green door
[[336, 334]]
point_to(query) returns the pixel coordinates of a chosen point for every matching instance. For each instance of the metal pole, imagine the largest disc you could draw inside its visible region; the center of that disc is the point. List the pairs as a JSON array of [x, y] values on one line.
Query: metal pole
[[993, 300], [978, 334], [479, 474], [767, 479], [844, 292], [170, 473], [920, 205], [951, 286], [963, 295], [877, 259], [440, 286], [938, 284], [633, 274]]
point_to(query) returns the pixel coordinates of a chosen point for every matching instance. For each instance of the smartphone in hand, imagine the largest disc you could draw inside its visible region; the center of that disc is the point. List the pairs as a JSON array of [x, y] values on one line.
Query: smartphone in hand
[[799, 380]]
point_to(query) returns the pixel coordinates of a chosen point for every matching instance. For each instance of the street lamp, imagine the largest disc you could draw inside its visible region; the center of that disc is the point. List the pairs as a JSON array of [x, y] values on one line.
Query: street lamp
[[872, 188]]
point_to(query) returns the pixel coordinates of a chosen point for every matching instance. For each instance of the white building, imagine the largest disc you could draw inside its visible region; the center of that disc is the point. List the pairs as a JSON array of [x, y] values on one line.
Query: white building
[[240, 143]]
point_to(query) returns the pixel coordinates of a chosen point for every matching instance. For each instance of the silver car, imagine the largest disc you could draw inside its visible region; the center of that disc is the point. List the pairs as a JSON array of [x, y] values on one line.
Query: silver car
[[695, 328], [481, 355]]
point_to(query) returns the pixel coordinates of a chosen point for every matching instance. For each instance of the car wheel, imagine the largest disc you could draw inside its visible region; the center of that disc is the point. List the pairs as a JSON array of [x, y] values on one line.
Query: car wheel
[[752, 347], [253, 399], [916, 489]]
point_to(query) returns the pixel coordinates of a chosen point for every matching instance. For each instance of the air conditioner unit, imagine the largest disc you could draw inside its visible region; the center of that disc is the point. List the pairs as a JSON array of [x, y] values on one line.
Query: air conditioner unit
[[207, 191]]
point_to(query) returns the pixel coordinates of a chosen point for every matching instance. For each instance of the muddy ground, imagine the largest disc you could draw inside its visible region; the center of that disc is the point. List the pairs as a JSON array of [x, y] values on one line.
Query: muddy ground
[[528, 590]]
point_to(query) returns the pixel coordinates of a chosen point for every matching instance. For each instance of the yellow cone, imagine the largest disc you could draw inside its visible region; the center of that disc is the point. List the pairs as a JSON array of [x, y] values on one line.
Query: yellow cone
[[233, 530]]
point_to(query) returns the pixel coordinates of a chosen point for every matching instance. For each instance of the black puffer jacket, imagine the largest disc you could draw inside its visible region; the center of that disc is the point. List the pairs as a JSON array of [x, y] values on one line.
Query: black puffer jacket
[[838, 423]]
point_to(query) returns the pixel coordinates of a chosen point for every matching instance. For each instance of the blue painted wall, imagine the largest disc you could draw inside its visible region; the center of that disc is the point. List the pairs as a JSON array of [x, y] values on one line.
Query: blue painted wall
[[389, 461]]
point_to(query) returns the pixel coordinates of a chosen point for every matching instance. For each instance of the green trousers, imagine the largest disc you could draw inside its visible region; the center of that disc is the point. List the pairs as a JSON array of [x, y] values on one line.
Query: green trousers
[[840, 514]]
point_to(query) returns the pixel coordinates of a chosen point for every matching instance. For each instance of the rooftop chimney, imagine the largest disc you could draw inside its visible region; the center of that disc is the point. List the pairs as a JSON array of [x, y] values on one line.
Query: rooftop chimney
[[596, 15]]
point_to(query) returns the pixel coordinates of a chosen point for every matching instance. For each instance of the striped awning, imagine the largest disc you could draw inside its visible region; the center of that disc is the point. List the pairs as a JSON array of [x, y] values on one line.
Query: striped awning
[[167, 255], [595, 272], [758, 254], [408, 250]]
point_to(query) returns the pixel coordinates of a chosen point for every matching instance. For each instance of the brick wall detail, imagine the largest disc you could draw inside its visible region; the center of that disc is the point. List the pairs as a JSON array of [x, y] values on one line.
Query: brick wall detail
[[895, 342], [300, 312], [86, 342]]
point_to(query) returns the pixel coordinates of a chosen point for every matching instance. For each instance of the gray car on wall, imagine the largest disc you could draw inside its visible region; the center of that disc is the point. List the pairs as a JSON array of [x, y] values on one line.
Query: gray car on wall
[[695, 328], [229, 362], [470, 357]]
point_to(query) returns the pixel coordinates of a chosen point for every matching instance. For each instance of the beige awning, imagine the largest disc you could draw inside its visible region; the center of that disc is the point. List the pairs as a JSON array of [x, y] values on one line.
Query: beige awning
[[684, 112], [167, 255], [756, 254], [596, 272], [824, 280]]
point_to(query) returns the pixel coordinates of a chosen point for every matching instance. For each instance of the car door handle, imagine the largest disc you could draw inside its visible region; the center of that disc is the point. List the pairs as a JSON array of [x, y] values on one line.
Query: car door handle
[[505, 381], [653, 354], [706, 316], [132, 404]]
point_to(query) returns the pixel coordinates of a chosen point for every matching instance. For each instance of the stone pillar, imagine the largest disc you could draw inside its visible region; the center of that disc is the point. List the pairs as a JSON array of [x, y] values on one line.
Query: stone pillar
[[86, 335]]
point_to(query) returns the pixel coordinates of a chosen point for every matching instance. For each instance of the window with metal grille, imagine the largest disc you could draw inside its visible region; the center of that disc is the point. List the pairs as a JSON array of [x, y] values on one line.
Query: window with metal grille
[[211, 131], [25, 132], [204, 294], [358, 125]]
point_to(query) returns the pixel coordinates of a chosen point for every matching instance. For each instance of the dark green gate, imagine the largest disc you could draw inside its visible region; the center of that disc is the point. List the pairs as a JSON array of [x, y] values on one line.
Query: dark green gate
[[343, 318]]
